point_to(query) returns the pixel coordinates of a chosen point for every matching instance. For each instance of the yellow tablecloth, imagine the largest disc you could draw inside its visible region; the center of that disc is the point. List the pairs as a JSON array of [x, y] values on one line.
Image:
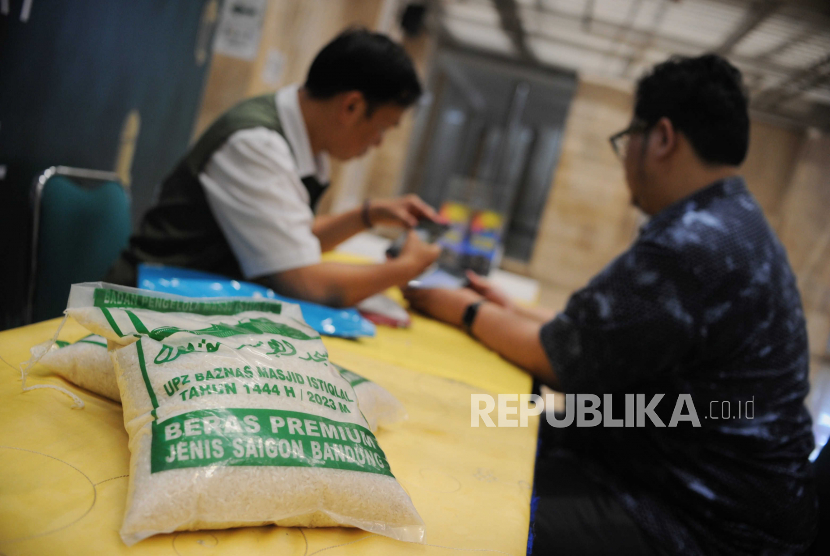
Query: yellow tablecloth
[[62, 471]]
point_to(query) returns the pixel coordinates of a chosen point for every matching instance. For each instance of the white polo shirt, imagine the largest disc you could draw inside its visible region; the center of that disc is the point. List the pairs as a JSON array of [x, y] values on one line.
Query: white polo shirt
[[253, 186]]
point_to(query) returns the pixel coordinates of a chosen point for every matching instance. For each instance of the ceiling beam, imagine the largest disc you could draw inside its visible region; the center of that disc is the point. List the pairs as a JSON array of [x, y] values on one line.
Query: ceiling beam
[[795, 85], [770, 101], [809, 29], [640, 51], [634, 39], [587, 15], [754, 16], [511, 23]]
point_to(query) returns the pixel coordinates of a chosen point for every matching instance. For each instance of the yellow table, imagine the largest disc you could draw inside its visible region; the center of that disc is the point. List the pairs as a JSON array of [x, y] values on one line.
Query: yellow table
[[63, 471]]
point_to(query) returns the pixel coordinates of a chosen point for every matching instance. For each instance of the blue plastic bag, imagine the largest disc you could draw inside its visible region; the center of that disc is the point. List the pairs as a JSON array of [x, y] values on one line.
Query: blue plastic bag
[[345, 323]]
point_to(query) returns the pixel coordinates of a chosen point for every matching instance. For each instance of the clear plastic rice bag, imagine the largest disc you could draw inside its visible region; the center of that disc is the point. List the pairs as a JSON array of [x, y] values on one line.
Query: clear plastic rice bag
[[380, 408], [85, 363], [237, 418]]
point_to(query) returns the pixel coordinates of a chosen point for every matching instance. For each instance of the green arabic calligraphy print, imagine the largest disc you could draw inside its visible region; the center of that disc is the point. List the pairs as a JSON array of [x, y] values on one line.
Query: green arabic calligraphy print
[[246, 326], [281, 348]]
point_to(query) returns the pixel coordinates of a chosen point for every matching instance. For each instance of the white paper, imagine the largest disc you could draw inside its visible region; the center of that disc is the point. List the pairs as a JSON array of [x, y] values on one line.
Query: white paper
[[240, 28], [273, 68]]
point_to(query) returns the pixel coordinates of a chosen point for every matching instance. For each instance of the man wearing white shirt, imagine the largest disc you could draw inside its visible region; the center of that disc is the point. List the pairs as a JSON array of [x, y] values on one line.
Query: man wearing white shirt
[[241, 202]]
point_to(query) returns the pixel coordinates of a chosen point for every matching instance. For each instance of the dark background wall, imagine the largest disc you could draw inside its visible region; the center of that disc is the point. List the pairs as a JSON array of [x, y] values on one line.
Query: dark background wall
[[69, 77]]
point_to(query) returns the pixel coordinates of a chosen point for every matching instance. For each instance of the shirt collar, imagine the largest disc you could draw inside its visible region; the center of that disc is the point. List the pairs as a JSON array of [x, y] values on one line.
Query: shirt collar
[[293, 126], [726, 187]]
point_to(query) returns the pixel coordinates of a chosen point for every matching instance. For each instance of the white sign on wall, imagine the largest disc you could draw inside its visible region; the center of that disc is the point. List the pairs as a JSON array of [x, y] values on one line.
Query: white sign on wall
[[273, 68], [240, 28]]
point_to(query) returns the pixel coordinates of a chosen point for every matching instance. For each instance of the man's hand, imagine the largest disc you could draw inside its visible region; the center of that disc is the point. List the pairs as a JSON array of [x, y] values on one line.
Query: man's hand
[[334, 229], [403, 211], [344, 285], [417, 254], [511, 335], [496, 295], [444, 305], [488, 290]]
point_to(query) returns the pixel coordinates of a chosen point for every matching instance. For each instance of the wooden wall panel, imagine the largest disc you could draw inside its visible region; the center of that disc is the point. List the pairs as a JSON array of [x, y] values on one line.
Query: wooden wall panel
[[769, 166], [805, 232], [588, 218], [227, 84], [807, 206], [386, 173]]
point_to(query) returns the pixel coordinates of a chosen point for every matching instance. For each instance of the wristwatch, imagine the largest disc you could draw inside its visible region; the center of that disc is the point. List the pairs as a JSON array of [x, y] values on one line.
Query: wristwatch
[[470, 315]]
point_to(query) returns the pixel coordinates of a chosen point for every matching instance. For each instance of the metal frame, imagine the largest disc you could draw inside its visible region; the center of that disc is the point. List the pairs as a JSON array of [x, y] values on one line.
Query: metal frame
[[38, 184], [813, 15], [602, 28], [756, 14], [511, 23], [798, 83]]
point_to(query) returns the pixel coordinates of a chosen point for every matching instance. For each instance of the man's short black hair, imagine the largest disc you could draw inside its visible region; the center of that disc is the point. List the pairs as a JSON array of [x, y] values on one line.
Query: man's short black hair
[[704, 98], [360, 60]]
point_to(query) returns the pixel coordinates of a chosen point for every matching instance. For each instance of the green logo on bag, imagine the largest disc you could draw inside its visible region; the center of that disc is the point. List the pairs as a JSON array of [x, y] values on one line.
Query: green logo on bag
[[281, 348], [260, 325], [170, 353]]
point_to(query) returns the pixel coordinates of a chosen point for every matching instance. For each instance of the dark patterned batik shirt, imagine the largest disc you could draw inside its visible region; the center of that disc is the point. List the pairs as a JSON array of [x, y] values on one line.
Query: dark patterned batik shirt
[[704, 303]]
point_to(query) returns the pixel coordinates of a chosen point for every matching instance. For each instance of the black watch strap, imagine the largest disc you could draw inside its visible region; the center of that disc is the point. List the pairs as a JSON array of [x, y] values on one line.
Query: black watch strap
[[470, 315]]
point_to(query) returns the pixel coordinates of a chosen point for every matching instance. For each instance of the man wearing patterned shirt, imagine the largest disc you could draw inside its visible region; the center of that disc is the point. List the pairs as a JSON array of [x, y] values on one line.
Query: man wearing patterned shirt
[[704, 303]]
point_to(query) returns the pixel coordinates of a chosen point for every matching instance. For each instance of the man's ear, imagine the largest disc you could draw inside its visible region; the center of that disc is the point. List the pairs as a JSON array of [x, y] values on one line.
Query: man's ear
[[663, 138], [352, 106]]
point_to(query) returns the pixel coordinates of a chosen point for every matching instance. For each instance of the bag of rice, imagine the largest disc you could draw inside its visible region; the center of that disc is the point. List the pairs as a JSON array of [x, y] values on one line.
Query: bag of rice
[[236, 418], [380, 408], [85, 363]]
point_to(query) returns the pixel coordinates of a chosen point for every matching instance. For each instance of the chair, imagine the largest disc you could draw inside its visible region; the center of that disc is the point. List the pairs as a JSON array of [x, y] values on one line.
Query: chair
[[81, 222]]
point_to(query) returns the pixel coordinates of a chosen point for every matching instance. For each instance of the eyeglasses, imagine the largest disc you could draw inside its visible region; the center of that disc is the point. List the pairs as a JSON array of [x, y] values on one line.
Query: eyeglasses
[[619, 141]]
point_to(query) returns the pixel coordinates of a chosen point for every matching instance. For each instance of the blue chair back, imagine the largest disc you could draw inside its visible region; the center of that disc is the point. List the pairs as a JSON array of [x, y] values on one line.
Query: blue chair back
[[81, 226]]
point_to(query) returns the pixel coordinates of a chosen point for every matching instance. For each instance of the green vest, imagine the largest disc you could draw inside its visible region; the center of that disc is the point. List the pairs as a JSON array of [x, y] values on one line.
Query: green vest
[[180, 229]]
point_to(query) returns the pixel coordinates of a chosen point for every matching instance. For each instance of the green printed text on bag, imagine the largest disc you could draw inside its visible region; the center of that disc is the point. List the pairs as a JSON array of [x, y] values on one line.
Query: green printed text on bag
[[245, 437], [109, 298]]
